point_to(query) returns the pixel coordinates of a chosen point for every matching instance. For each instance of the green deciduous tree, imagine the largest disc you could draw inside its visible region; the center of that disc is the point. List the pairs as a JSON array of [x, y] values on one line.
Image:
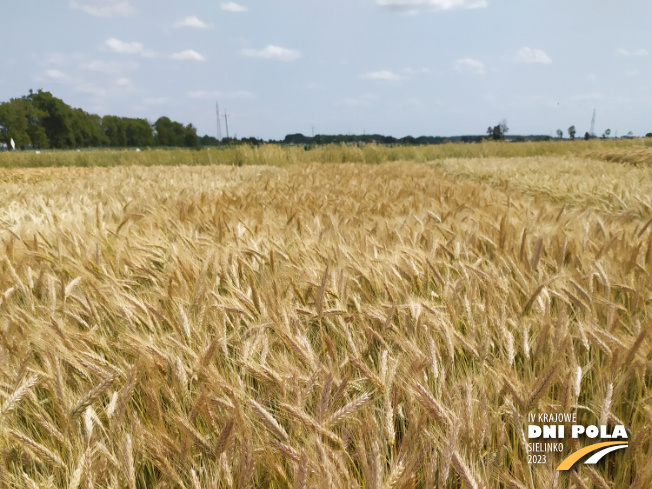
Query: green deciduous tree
[[57, 120], [115, 131], [35, 128], [174, 134], [164, 131], [21, 121], [88, 129], [42, 120], [139, 132], [190, 138], [13, 123], [497, 132]]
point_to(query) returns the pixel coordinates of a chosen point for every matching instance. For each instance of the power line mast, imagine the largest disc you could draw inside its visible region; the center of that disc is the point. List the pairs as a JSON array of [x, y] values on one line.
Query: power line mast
[[592, 133], [219, 126]]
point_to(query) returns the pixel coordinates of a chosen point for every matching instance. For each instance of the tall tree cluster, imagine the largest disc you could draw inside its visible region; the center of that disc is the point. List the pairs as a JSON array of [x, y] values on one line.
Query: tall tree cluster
[[497, 132], [44, 121]]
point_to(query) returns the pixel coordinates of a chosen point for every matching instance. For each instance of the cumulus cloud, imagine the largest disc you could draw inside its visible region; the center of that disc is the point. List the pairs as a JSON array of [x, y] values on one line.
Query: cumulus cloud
[[383, 75], [532, 56], [233, 7], [192, 22], [273, 52], [56, 75], [124, 82], [117, 46], [469, 65], [628, 53], [74, 83], [84, 62], [188, 55], [416, 6], [416, 71], [108, 67], [104, 8]]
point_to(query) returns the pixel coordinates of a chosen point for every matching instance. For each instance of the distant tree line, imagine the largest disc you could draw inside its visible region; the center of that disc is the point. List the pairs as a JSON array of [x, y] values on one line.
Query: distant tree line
[[572, 132], [320, 139], [41, 120]]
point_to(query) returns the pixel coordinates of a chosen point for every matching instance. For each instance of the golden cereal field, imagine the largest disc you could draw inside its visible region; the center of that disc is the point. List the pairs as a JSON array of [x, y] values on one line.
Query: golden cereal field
[[324, 325]]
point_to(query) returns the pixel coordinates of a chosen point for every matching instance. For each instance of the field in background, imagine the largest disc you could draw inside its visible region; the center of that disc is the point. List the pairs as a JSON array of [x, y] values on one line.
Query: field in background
[[586, 182], [275, 155], [342, 325]]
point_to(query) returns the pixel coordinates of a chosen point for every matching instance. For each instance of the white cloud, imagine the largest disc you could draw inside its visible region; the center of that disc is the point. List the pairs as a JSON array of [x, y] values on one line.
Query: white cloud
[[532, 56], [104, 8], [73, 79], [76, 84], [416, 71], [233, 7], [192, 22], [124, 82], [84, 62], [117, 46], [628, 53], [383, 75], [416, 6], [188, 55], [56, 75], [215, 94], [108, 67], [469, 65], [273, 52]]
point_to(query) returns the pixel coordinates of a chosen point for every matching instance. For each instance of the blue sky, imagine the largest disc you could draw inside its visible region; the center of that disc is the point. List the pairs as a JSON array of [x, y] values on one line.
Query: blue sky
[[395, 67]]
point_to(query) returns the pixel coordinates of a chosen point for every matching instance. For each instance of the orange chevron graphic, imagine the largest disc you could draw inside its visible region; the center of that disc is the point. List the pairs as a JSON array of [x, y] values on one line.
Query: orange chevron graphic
[[574, 457]]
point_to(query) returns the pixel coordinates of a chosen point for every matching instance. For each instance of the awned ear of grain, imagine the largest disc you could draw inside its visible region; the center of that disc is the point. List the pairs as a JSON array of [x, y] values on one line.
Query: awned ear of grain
[[316, 325]]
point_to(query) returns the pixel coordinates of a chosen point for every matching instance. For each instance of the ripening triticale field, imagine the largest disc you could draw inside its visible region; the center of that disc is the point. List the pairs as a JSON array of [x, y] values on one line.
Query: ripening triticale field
[[325, 325]]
